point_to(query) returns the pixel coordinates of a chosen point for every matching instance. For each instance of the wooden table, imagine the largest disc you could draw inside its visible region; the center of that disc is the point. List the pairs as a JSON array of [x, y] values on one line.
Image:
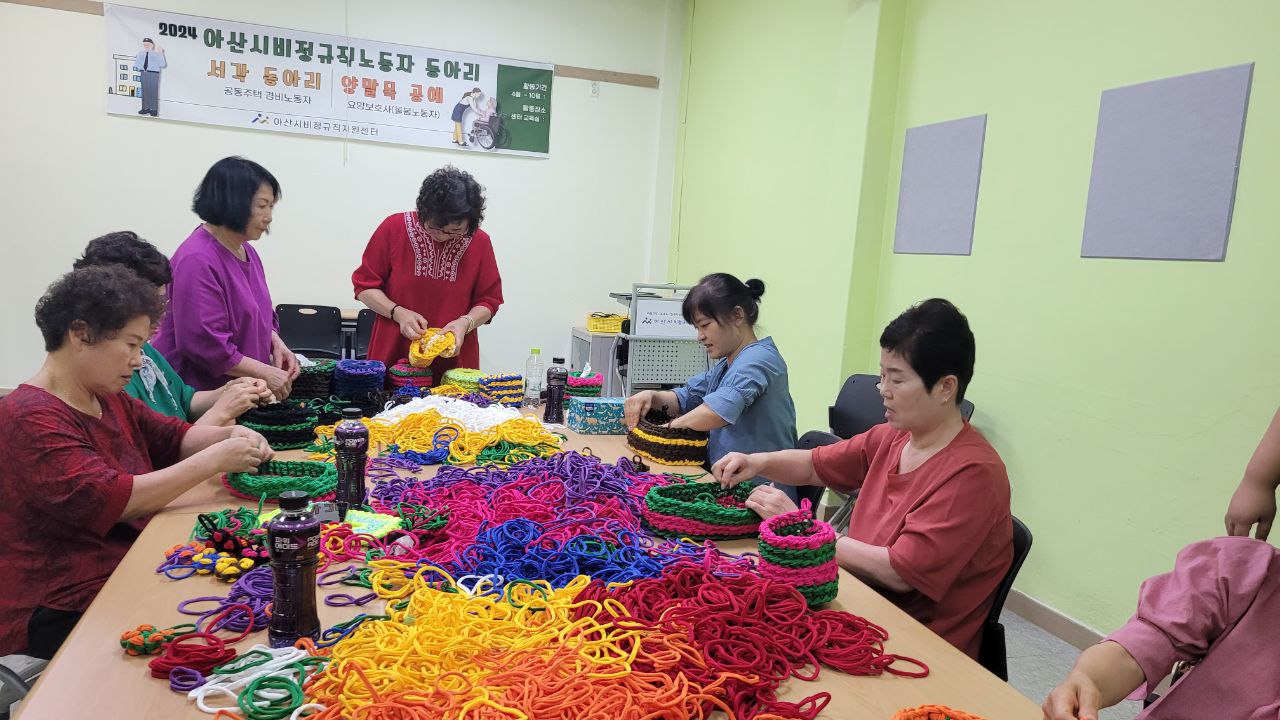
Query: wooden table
[[91, 676]]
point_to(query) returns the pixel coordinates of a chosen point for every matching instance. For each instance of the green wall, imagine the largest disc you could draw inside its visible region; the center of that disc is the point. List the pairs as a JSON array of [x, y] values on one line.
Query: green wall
[[772, 131], [1124, 396]]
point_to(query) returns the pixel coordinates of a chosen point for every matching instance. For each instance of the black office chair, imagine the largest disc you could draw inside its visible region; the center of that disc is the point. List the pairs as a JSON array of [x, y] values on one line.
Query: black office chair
[[992, 655], [313, 330], [364, 329], [857, 409]]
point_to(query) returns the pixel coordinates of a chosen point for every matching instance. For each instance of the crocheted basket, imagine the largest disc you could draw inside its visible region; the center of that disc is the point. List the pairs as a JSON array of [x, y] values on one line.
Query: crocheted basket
[[286, 425], [797, 550], [654, 441], [585, 387], [466, 378], [424, 350], [314, 381], [355, 377], [403, 374], [507, 390], [318, 479], [702, 511], [594, 380]]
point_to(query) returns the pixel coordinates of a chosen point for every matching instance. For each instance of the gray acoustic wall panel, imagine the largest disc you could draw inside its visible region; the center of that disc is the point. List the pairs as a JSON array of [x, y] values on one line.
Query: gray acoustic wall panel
[[938, 195], [1164, 167]]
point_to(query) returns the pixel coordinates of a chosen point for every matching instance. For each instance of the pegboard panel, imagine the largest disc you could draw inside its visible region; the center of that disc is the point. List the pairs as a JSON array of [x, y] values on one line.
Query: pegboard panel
[[663, 361]]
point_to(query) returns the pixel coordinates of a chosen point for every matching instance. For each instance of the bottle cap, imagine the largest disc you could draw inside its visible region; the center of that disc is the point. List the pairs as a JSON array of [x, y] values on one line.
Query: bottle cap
[[351, 413], [558, 361], [535, 351], [294, 500]]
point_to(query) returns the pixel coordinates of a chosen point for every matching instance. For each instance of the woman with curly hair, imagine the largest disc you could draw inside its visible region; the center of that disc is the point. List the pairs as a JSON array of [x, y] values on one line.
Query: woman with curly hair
[[84, 465], [155, 382], [431, 267]]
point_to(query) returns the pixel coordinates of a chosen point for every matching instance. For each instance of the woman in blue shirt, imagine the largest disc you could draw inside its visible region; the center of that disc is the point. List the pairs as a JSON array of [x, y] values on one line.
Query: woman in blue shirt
[[743, 400]]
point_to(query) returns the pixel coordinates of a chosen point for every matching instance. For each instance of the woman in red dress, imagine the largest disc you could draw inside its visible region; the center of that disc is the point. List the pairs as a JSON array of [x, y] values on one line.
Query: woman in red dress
[[83, 465], [431, 267]]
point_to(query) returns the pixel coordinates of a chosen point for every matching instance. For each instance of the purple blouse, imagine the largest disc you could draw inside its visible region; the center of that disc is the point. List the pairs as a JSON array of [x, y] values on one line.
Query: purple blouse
[[1220, 607], [220, 311]]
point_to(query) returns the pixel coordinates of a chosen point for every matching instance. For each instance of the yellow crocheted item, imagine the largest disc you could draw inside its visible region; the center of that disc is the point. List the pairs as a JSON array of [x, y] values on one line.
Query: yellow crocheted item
[[428, 347]]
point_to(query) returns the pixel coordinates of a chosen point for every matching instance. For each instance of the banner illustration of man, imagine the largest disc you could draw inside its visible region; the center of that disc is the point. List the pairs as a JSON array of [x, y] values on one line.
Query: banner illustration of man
[[149, 62]]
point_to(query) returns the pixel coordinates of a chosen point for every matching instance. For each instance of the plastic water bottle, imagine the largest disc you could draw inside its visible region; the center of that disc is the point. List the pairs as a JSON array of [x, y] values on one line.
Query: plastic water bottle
[[557, 378], [293, 541], [351, 443], [533, 378]]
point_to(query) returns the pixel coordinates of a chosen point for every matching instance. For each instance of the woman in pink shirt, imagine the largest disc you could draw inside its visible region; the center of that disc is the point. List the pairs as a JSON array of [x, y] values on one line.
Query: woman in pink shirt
[[931, 530], [1217, 610]]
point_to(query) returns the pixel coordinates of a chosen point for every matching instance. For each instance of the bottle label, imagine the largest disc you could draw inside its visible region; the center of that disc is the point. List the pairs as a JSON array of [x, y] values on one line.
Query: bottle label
[[290, 543]]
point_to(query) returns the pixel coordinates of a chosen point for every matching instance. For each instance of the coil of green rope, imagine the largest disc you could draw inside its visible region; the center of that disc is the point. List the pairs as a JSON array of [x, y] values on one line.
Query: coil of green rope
[[276, 476]]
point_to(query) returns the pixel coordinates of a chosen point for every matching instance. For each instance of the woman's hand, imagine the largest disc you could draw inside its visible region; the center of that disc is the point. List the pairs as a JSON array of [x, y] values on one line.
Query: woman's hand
[[235, 454], [735, 468], [278, 382], [1251, 504], [459, 328], [283, 358], [253, 436], [256, 387], [412, 324], [637, 406], [1077, 698], [768, 501], [238, 396]]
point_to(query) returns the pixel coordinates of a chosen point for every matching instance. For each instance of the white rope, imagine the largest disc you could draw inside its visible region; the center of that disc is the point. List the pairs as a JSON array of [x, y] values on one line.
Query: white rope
[[469, 415]]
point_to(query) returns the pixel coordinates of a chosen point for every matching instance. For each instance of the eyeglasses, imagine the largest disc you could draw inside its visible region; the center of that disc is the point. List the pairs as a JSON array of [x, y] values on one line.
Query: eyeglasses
[[441, 232]]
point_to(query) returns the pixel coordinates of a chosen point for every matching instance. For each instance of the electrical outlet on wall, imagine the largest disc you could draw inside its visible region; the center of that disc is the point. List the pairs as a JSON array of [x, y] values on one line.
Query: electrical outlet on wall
[[595, 89]]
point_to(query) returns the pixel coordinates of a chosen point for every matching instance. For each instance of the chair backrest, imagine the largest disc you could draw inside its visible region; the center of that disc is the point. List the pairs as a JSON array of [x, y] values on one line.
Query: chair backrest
[[364, 329], [859, 407], [313, 330], [993, 655]]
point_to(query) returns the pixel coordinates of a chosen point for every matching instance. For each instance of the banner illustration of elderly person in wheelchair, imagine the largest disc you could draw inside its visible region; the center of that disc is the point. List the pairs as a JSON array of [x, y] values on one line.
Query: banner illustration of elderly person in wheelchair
[[486, 128]]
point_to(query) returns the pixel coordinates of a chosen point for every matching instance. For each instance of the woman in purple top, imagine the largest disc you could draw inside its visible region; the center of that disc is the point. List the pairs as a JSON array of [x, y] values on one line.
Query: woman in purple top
[[221, 323]]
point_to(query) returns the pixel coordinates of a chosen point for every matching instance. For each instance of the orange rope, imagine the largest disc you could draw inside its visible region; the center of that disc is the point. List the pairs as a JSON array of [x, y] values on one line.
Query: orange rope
[[933, 712]]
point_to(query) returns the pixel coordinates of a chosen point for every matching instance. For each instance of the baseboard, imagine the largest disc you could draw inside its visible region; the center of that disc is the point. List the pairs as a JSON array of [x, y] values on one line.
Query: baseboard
[[1065, 628]]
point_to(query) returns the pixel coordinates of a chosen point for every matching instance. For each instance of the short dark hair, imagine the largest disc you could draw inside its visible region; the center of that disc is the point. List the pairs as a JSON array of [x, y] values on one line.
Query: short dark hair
[[225, 195], [153, 42], [102, 298], [935, 340], [717, 294], [126, 248], [449, 195]]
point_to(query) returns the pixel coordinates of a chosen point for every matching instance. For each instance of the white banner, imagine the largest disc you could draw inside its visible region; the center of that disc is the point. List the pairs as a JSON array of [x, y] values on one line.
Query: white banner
[[221, 72]]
